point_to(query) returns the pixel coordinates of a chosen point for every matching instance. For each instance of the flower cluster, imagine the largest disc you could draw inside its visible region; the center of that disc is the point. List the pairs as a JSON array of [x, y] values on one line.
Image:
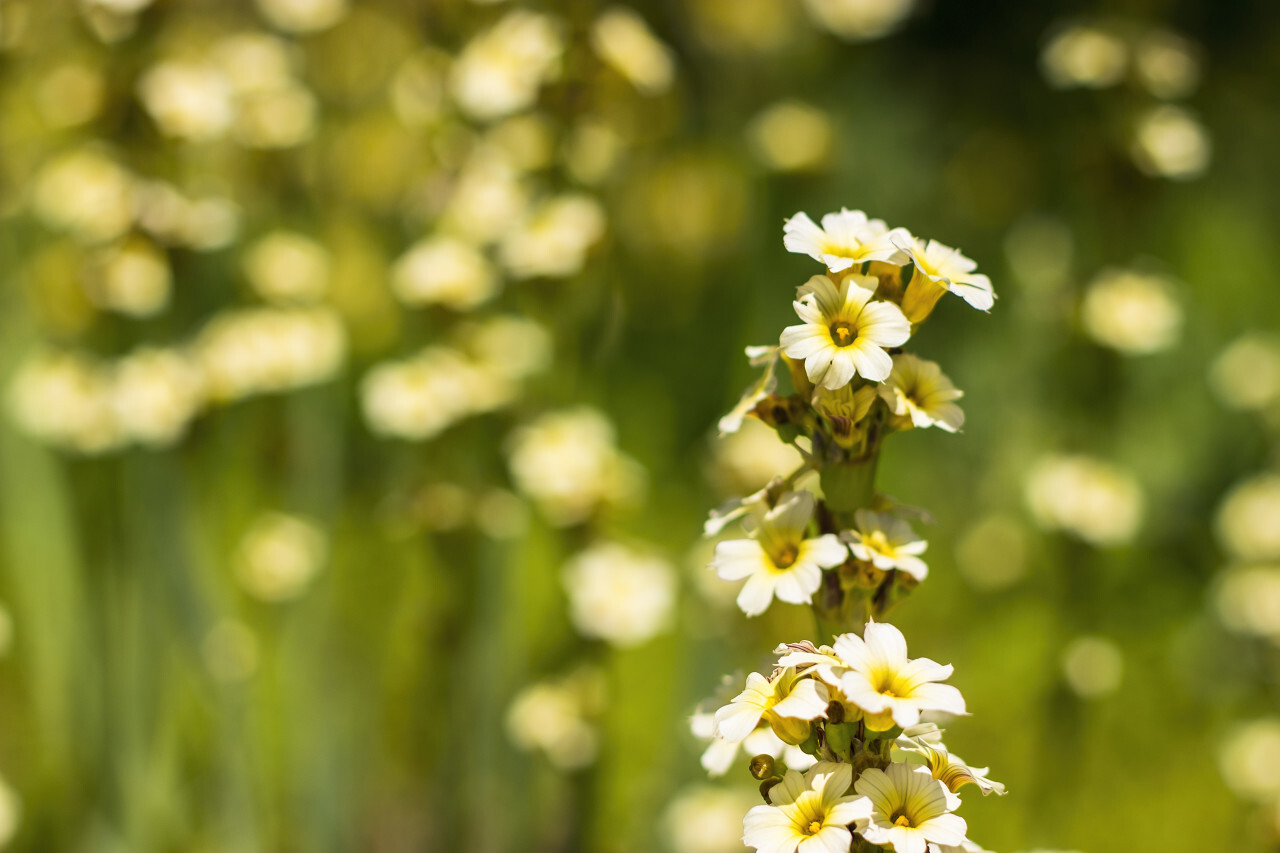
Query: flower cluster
[[864, 766]]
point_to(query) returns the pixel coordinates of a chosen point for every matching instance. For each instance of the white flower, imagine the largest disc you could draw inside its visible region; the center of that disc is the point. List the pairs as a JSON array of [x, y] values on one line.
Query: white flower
[[619, 595], [766, 357], [845, 238], [779, 562], [279, 556], [918, 390], [889, 687], [288, 267], [1132, 312], [1084, 56], [1086, 497], [155, 393], [554, 239], [446, 271], [909, 809], [844, 333], [1170, 142], [720, 753], [809, 814], [501, 70], [786, 701], [622, 39], [938, 269], [1246, 521], [887, 542], [922, 745], [188, 100]]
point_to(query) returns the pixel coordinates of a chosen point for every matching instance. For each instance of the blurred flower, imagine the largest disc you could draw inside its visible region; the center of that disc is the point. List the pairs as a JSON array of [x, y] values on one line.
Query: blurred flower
[[890, 688], [556, 717], [920, 394], [623, 40], [1246, 375], [418, 88], [131, 278], [1085, 497], [1086, 56], [619, 595], [488, 198], [844, 334], [859, 20], [887, 542], [1248, 600], [703, 819], [1132, 312], [187, 100], [155, 394], [1249, 759], [254, 61], [791, 136], [807, 813], [555, 238], [1092, 666], [501, 70], [70, 95], [303, 16], [779, 560], [1246, 522], [419, 397], [909, 808], [279, 556], [202, 224], [993, 553], [65, 399], [745, 460], [509, 346], [568, 463], [1167, 64], [85, 193], [276, 118], [593, 151], [446, 271], [1170, 142], [265, 350], [287, 267]]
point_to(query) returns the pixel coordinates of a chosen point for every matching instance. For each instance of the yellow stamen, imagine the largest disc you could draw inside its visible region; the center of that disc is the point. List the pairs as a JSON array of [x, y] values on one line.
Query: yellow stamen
[[814, 827], [842, 334], [786, 557], [902, 820]]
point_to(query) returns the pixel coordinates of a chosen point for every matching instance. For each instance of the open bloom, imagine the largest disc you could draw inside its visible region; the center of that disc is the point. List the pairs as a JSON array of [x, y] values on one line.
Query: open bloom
[[887, 542], [889, 687], [922, 744], [787, 701], [720, 754], [918, 391], [779, 561], [844, 239], [844, 333], [909, 809], [939, 268], [809, 814]]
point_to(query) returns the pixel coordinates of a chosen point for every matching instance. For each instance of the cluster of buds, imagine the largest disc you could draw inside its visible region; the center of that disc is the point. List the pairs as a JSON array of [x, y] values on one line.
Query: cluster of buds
[[865, 765]]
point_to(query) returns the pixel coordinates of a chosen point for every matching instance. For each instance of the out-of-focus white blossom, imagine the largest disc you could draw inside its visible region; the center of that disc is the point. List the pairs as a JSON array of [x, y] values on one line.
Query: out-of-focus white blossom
[[303, 16], [1169, 142], [1085, 497], [1133, 312], [188, 100], [554, 240], [287, 267], [155, 394], [489, 198], [1248, 519], [202, 223], [254, 61], [791, 136], [704, 819], [1167, 64], [266, 350], [993, 554], [593, 151], [442, 270], [419, 397], [86, 193], [509, 346], [502, 69], [65, 399], [279, 556], [1084, 56], [557, 718], [859, 20], [622, 39], [620, 595], [276, 118], [1248, 600], [1249, 759], [569, 464], [1246, 375], [132, 278], [1092, 666]]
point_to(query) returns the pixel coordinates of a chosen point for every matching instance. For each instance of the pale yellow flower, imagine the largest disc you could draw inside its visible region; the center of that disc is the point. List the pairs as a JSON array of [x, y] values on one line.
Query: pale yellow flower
[[1084, 56], [922, 744], [909, 809], [791, 136], [188, 100], [279, 556], [501, 70], [887, 542], [938, 269], [1086, 497], [807, 814], [1246, 521], [844, 333], [446, 271], [844, 239], [889, 687], [287, 267], [779, 562], [1170, 142], [1132, 312], [787, 701], [620, 595], [918, 391], [622, 39]]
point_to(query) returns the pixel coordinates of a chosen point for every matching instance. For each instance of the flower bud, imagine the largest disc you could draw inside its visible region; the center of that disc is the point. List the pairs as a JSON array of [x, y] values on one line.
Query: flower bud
[[767, 785], [790, 730], [761, 766]]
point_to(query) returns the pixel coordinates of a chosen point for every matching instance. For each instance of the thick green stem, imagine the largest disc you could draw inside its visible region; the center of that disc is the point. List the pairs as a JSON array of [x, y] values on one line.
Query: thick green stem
[[849, 486]]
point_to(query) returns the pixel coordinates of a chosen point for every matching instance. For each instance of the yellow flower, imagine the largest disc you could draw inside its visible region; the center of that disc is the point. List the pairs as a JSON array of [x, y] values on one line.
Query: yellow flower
[[889, 687], [909, 809], [887, 543], [920, 394], [779, 561], [844, 333], [809, 814], [787, 701], [845, 238]]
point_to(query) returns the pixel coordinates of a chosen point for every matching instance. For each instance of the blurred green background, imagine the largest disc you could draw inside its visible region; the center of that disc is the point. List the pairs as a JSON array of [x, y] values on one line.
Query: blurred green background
[[362, 361]]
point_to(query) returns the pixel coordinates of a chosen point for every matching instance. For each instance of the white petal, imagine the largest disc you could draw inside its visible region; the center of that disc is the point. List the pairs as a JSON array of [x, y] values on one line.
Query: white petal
[[871, 362], [826, 551], [756, 594], [808, 701], [842, 369], [939, 697], [886, 644], [800, 342], [737, 559], [798, 584], [801, 235], [946, 829], [719, 756]]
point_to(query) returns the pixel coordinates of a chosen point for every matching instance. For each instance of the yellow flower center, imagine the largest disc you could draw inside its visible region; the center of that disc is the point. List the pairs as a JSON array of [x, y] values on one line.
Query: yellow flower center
[[902, 820], [814, 827], [843, 333], [877, 541]]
